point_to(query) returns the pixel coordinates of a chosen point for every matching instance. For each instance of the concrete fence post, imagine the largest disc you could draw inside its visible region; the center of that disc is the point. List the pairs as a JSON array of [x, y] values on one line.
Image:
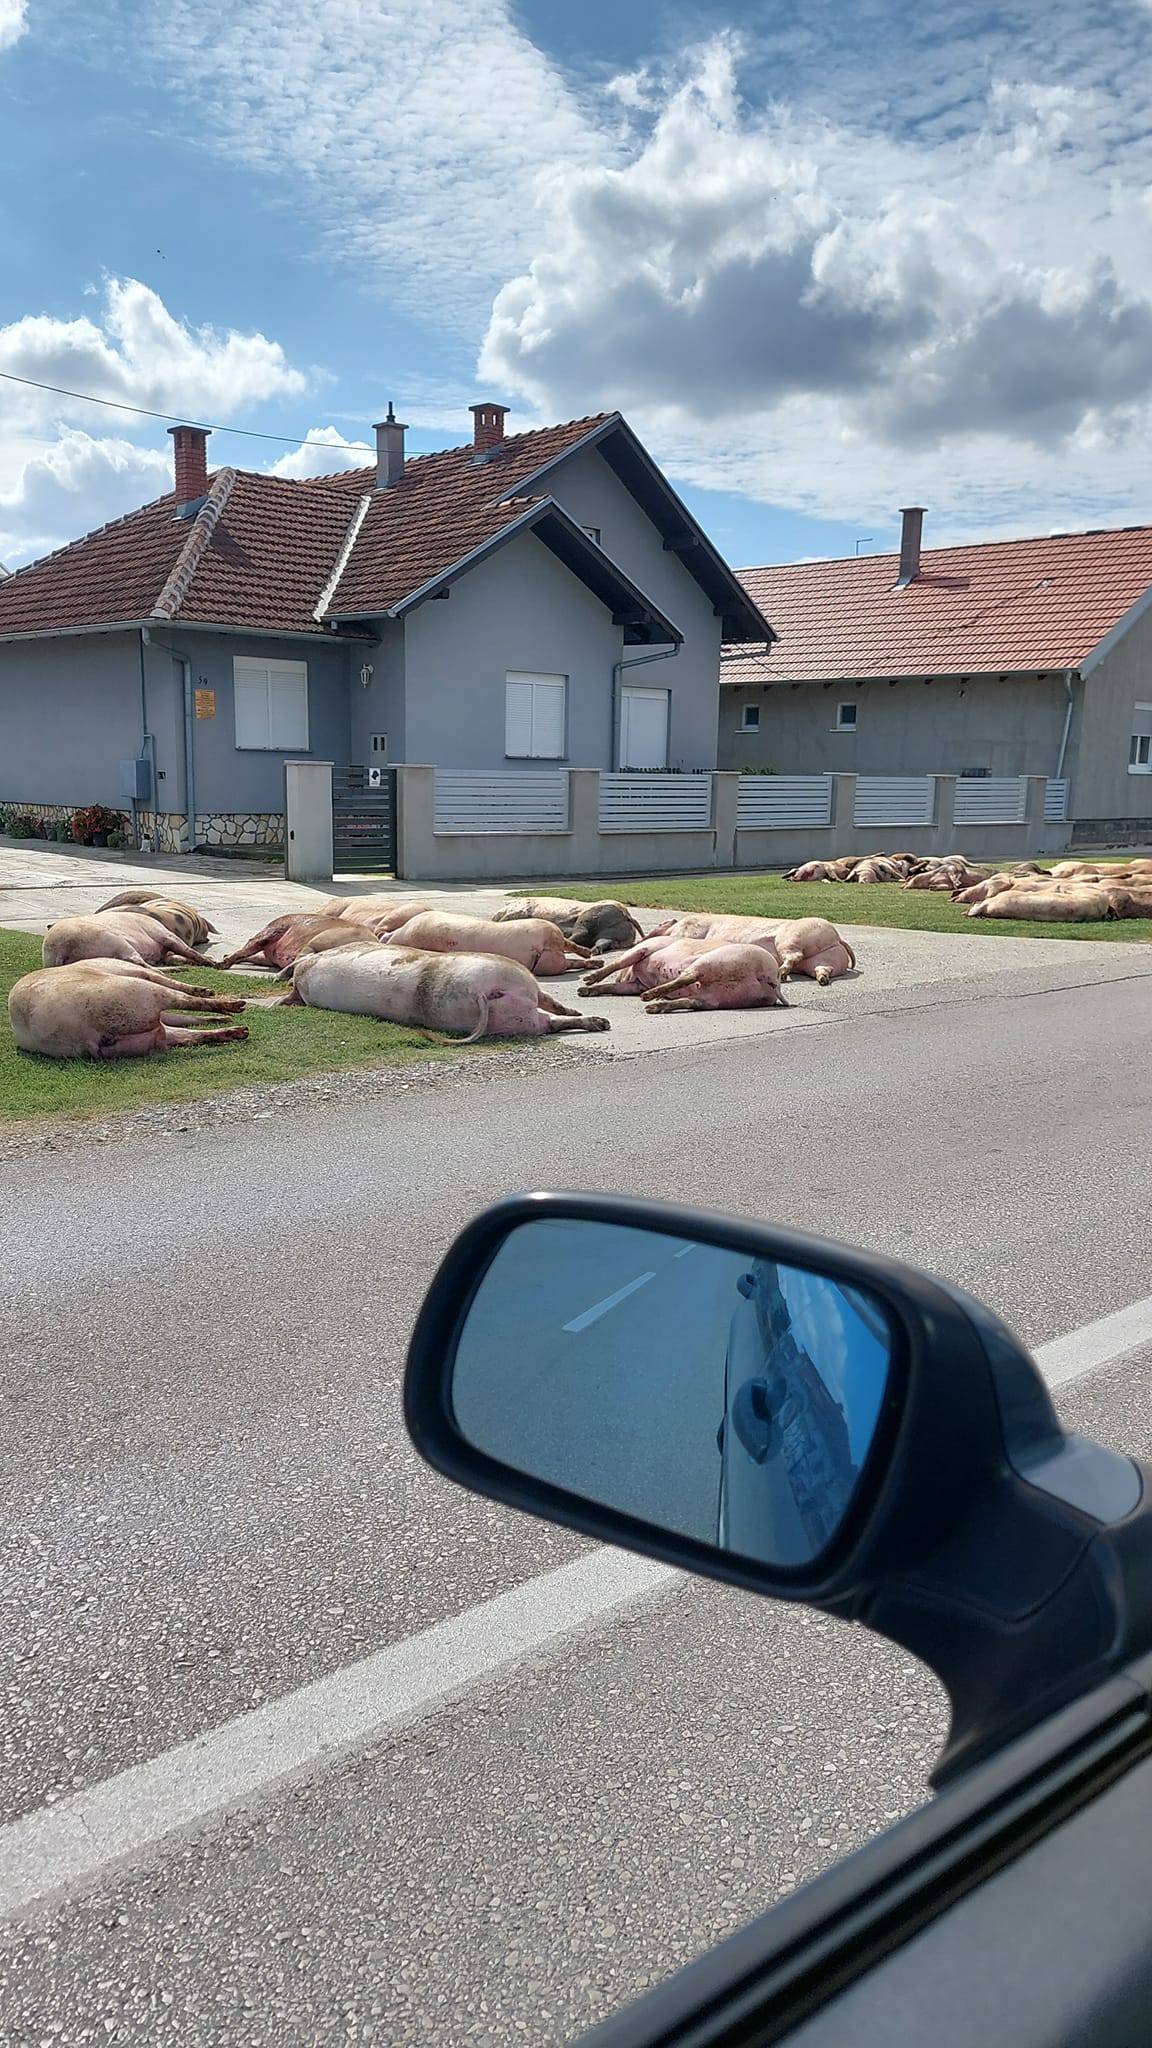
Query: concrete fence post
[[725, 800], [945, 812], [415, 821], [583, 850], [843, 819], [308, 821], [1036, 833]]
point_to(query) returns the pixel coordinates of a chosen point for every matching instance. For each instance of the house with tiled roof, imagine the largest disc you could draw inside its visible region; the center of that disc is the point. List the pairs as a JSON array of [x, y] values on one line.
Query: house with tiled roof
[[487, 607], [1006, 658]]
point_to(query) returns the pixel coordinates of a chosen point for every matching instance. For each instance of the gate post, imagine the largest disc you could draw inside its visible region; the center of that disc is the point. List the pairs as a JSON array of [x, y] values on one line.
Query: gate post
[[308, 821]]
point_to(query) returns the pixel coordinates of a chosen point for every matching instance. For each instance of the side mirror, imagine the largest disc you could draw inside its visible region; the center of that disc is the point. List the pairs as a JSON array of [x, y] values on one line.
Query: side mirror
[[795, 1417]]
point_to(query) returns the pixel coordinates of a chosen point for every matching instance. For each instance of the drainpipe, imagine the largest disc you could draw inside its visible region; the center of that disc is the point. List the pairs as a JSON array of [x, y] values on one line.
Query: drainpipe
[[189, 750], [148, 747], [1069, 678], [637, 661]]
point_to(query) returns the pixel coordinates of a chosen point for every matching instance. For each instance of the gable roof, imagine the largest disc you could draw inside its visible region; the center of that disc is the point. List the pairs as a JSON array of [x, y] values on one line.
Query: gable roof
[[303, 556], [997, 607]]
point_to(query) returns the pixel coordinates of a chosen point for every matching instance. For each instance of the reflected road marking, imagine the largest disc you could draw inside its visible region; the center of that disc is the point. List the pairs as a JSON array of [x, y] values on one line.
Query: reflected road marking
[[601, 1308]]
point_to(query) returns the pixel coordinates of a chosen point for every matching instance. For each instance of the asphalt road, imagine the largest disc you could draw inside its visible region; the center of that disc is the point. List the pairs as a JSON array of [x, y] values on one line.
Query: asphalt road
[[209, 1501]]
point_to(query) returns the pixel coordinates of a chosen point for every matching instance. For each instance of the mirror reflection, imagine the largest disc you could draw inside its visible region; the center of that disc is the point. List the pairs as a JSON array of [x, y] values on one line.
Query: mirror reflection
[[730, 1399]]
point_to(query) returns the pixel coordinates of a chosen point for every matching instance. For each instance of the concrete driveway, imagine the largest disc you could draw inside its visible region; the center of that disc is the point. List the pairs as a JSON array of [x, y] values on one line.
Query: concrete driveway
[[897, 970]]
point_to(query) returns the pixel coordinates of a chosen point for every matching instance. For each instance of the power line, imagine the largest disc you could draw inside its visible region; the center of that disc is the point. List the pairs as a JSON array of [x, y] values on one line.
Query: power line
[[175, 419]]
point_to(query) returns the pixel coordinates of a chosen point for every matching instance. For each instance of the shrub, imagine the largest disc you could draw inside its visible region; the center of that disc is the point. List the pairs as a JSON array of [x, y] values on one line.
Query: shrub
[[116, 839], [91, 826]]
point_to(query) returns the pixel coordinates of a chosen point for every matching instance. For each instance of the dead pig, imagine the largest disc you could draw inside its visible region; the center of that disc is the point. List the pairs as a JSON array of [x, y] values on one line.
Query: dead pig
[[188, 923], [111, 1010], [604, 927], [474, 993], [731, 977], [813, 947], [535, 942], [278, 944], [114, 935]]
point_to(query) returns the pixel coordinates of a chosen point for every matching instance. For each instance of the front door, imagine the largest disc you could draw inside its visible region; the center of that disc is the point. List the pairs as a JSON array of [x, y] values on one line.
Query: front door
[[644, 728]]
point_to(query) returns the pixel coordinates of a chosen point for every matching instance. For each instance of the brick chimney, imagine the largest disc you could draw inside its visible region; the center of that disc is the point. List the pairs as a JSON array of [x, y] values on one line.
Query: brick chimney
[[911, 528], [390, 434], [190, 447], [488, 429]]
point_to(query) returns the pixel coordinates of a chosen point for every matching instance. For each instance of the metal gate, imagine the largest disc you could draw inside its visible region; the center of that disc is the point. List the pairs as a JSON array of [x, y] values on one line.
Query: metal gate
[[364, 821]]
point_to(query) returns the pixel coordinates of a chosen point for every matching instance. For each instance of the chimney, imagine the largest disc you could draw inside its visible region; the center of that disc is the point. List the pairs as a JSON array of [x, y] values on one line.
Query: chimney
[[912, 518], [390, 434], [190, 447], [488, 429]]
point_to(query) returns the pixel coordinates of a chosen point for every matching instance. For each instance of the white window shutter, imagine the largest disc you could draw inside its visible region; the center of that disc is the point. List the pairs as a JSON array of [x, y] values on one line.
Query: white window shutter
[[518, 719], [250, 683], [548, 720], [288, 705]]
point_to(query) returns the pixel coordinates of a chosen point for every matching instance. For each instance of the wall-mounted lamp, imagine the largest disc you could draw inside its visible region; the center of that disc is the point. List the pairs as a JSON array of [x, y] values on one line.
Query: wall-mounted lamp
[[366, 674]]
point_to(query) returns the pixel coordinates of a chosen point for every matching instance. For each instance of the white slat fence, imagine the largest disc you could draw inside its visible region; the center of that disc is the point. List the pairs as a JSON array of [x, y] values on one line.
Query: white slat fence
[[655, 803], [895, 800], [1055, 802], [502, 800], [777, 801], [991, 800]]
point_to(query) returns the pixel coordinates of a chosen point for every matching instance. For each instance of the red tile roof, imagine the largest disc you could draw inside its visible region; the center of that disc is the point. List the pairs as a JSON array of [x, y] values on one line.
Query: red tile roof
[[996, 607], [262, 551]]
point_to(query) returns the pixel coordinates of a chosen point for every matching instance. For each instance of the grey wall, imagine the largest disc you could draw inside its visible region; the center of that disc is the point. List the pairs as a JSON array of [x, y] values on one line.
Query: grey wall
[[1102, 787], [380, 707], [70, 712], [593, 494], [519, 610], [906, 728], [230, 779]]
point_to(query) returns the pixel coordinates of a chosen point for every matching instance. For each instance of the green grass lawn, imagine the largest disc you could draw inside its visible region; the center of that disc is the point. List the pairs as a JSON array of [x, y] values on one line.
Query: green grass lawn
[[283, 1044], [880, 903]]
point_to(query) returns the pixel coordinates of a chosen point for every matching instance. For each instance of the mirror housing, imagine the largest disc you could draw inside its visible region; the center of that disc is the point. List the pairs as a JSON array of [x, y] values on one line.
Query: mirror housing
[[1012, 1559]]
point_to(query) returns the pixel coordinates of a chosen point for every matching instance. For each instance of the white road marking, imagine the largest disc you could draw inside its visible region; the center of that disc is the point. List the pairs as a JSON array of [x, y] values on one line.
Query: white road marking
[[684, 1254], [64, 1845], [1097, 1344], [75, 1841], [601, 1308]]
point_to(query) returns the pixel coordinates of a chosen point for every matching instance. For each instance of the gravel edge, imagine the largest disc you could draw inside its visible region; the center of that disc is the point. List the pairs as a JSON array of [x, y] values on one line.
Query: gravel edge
[[271, 1098]]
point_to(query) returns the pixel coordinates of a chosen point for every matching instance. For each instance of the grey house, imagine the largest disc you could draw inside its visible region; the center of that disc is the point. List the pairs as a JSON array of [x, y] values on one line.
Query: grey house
[[1028, 657], [543, 597]]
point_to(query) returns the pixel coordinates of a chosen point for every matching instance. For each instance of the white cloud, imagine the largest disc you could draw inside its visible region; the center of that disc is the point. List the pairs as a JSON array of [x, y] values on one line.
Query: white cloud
[[316, 460], [77, 484], [818, 316], [13, 22], [141, 353], [136, 350], [414, 133]]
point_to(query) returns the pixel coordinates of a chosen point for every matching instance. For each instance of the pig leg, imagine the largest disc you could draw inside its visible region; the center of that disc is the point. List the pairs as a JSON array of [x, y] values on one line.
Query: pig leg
[[176, 1034], [597, 974], [596, 986], [252, 950], [662, 1005], [175, 949], [555, 1009], [576, 1021]]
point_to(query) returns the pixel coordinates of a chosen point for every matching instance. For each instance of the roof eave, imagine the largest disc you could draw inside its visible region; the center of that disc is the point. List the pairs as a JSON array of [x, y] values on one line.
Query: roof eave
[[615, 423], [545, 510]]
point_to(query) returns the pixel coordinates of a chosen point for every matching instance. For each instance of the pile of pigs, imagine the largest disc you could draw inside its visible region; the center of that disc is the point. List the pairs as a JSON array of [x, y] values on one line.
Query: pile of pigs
[[1072, 892], [103, 991]]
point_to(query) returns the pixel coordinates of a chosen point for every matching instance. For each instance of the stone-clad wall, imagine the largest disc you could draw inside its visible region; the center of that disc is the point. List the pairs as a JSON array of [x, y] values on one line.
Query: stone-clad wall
[[218, 830], [239, 828]]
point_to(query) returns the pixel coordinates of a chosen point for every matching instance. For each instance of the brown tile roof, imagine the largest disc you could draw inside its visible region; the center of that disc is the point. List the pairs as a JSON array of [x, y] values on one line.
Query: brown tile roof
[[262, 551], [996, 607], [442, 507]]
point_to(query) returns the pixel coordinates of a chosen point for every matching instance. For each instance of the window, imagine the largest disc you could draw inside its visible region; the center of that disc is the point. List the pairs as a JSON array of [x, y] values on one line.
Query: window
[[593, 533], [1140, 744], [379, 743], [846, 718], [644, 716], [271, 699], [535, 717], [750, 721]]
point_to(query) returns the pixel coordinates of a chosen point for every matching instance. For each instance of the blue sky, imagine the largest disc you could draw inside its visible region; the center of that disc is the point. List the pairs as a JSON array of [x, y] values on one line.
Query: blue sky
[[827, 265]]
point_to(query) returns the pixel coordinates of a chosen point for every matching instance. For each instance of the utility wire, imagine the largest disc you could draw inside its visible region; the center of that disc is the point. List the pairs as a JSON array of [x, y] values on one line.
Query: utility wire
[[176, 420]]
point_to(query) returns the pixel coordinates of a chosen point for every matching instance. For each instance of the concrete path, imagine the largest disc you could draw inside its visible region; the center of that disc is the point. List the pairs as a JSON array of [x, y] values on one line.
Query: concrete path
[[897, 970]]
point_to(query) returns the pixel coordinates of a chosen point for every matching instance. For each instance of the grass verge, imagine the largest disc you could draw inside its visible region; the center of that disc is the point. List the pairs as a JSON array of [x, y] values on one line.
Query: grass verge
[[880, 903], [283, 1044]]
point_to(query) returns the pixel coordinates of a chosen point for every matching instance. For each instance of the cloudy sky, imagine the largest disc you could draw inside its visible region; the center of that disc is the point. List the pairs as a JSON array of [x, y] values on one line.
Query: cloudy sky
[[828, 261]]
